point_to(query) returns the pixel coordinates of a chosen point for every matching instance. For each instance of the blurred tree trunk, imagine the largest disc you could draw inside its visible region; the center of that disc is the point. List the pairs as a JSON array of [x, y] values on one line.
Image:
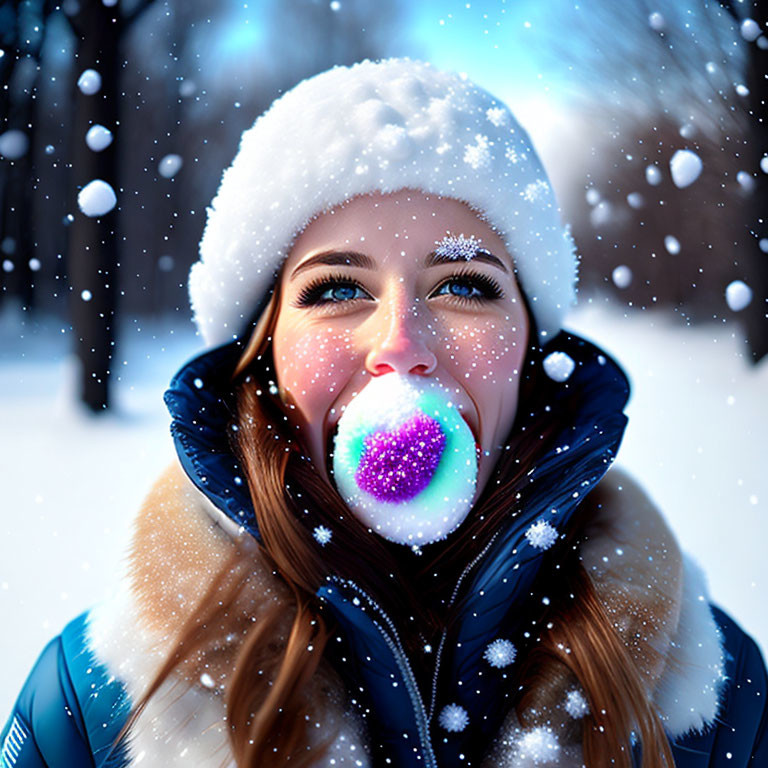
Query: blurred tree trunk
[[756, 314], [19, 67], [93, 242]]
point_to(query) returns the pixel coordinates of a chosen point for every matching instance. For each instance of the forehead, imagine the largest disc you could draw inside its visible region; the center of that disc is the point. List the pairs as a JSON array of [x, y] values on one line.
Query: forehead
[[408, 219]]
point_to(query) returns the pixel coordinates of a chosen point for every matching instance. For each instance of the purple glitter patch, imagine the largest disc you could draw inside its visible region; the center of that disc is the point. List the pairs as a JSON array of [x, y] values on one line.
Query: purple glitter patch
[[398, 465]]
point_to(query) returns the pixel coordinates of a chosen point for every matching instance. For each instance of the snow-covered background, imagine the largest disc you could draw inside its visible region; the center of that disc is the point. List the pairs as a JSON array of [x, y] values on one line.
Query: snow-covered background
[[72, 482]]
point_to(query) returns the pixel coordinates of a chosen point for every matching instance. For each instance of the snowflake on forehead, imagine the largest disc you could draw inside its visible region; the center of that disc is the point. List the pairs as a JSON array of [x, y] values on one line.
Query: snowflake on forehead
[[454, 718], [322, 535], [541, 534], [511, 155], [500, 653], [458, 247], [575, 704]]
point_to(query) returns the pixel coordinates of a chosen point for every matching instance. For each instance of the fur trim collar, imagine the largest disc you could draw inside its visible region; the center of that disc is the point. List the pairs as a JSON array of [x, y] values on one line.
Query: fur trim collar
[[657, 596]]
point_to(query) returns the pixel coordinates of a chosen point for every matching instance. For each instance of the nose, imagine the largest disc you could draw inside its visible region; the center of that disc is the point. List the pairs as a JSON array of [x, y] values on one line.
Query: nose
[[398, 342]]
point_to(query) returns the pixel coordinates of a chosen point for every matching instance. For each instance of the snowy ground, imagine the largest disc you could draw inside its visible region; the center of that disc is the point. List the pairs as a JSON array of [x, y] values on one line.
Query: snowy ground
[[697, 433]]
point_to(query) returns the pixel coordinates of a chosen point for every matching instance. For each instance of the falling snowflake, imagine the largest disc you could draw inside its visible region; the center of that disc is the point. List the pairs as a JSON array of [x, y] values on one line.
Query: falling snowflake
[[536, 191], [478, 155], [497, 116], [541, 535], [558, 366], [454, 718], [511, 155], [500, 653], [322, 535], [575, 704], [540, 745]]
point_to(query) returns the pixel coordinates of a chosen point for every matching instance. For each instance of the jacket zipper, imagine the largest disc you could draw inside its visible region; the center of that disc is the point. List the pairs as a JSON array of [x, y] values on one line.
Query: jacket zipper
[[401, 658], [439, 654]]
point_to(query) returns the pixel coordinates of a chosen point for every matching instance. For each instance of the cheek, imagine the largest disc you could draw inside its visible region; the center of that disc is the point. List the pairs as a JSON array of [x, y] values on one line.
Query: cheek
[[489, 352], [310, 365]]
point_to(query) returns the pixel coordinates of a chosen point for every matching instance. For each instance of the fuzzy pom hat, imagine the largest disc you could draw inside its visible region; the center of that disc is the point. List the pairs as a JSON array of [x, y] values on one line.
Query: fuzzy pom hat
[[376, 126]]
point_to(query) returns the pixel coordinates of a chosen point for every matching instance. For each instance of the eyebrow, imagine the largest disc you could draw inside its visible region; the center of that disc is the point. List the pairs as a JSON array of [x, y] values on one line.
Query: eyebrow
[[362, 260]]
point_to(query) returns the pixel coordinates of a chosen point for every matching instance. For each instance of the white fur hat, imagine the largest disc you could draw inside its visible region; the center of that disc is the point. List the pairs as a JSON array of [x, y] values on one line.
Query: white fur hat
[[376, 126]]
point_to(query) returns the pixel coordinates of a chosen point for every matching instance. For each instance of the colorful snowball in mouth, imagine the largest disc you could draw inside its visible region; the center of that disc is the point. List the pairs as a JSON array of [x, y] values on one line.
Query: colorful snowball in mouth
[[404, 459]]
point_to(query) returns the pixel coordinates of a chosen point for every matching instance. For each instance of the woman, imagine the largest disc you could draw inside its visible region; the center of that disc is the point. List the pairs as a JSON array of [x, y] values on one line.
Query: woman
[[392, 537]]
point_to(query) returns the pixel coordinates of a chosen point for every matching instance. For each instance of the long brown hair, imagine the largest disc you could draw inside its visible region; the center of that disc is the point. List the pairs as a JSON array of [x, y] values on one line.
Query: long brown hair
[[268, 694]]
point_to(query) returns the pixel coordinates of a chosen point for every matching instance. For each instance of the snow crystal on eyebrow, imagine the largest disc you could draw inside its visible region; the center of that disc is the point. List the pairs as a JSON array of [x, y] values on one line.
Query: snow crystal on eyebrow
[[458, 247]]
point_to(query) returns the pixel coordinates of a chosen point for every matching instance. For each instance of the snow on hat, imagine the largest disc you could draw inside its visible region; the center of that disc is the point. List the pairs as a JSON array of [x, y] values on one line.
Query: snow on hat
[[376, 126]]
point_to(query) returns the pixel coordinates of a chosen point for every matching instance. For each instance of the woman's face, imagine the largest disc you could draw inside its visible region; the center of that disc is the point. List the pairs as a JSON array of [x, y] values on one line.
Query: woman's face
[[403, 282]]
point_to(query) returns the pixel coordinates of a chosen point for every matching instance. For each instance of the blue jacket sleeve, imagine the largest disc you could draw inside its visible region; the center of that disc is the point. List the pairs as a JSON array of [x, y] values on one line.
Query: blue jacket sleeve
[[45, 729], [70, 711]]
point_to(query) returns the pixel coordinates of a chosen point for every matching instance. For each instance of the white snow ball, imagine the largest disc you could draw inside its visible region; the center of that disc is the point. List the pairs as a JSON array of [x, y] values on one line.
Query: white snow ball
[[622, 276], [738, 295], [685, 167], [742, 89], [34, 264], [653, 175], [672, 244], [558, 366], [322, 535], [688, 130], [96, 198], [89, 82], [593, 196], [206, 680], [500, 653], [763, 244], [746, 181], [635, 200], [86, 295], [169, 166], [13, 144], [7, 265], [541, 534], [98, 138], [657, 21], [764, 164], [335, 6], [540, 745], [762, 42], [575, 704], [454, 718], [750, 30], [49, 149]]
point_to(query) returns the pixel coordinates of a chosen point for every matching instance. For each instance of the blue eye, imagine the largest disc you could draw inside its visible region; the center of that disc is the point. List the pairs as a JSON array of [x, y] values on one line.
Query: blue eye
[[470, 286], [330, 290]]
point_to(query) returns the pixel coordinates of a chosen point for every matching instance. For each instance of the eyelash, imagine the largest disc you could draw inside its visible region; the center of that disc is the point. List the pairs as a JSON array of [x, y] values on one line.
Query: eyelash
[[310, 294]]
